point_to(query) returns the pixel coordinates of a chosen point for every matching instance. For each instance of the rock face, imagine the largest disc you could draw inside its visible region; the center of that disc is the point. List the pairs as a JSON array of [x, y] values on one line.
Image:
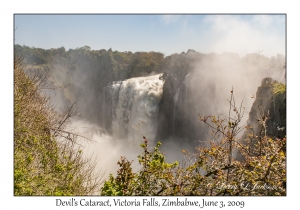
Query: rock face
[[270, 101], [168, 110], [178, 113]]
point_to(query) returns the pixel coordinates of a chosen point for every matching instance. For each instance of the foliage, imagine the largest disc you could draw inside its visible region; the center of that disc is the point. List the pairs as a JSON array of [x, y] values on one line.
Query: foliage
[[279, 88], [154, 178], [211, 170], [276, 86], [47, 160], [145, 63]]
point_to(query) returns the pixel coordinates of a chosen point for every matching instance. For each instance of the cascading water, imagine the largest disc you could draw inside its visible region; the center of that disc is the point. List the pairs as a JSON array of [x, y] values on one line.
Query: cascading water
[[134, 105]]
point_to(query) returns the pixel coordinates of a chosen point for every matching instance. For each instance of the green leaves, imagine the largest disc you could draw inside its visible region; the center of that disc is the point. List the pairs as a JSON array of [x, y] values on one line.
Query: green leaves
[[212, 170], [43, 165]]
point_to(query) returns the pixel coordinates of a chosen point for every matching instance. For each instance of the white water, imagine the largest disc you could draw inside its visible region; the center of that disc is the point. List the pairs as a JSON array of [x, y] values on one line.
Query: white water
[[137, 109]]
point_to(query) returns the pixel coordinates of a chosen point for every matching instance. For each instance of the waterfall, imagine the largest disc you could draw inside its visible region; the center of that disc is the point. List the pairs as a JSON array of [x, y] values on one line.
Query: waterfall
[[133, 107]]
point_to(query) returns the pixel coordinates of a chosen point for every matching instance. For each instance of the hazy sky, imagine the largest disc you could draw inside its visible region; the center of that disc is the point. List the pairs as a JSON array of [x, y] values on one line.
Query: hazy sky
[[168, 34]]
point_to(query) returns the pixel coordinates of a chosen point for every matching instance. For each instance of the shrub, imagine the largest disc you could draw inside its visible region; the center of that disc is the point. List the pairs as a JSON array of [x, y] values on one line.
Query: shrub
[[212, 170], [46, 158]]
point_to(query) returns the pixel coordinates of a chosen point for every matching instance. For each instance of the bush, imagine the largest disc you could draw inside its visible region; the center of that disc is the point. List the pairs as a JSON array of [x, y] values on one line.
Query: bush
[[46, 158], [209, 171]]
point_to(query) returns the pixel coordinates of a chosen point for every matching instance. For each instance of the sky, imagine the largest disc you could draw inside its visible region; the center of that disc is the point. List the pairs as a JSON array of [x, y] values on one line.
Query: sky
[[167, 34]]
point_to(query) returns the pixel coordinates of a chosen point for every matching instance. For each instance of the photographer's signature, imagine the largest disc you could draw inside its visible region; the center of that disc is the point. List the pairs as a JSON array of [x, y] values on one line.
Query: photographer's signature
[[246, 186]]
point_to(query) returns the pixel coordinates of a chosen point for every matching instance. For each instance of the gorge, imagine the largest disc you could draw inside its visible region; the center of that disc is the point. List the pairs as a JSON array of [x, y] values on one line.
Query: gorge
[[130, 95]]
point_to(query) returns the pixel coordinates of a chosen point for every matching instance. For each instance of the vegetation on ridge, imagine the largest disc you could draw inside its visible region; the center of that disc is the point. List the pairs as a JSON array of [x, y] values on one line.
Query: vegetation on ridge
[[46, 159]]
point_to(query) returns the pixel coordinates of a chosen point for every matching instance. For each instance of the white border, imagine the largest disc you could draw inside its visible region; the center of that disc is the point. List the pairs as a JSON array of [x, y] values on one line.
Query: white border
[[8, 8]]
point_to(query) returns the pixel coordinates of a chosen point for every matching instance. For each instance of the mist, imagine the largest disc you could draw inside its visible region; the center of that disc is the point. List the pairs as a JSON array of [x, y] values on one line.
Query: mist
[[206, 90], [123, 96], [213, 79], [131, 107], [102, 148]]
